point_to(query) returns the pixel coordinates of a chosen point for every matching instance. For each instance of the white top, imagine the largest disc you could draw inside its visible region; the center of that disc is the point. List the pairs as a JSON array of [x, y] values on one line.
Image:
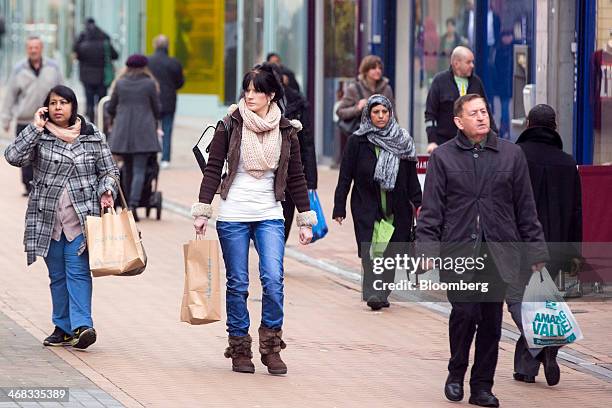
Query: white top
[[250, 199]]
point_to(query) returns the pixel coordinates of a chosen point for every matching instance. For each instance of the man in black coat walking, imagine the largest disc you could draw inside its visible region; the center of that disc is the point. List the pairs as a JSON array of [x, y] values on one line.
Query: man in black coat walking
[[558, 197], [169, 74], [478, 205], [95, 53], [446, 88]]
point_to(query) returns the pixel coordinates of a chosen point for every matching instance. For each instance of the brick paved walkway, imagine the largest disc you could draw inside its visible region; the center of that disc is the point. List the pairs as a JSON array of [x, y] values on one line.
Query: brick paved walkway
[[339, 353], [25, 362]]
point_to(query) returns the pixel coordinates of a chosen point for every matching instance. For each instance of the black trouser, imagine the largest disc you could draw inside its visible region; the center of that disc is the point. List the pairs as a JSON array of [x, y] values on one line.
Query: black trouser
[[480, 314], [27, 172], [136, 166], [288, 213], [372, 281], [93, 94]]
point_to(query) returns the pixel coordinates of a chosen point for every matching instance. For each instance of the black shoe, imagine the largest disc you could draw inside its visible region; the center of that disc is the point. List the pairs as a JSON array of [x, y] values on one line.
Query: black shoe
[[134, 213], [551, 368], [524, 378], [385, 303], [375, 303], [484, 399], [84, 337], [453, 390], [59, 338]]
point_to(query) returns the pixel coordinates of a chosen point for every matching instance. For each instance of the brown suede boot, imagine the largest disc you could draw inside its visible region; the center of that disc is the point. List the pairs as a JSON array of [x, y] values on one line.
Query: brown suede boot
[[239, 351], [270, 345]]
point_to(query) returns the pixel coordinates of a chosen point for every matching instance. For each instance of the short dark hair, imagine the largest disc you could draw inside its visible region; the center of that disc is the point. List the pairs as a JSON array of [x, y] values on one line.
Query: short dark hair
[[265, 78], [451, 21], [270, 55], [458, 107], [67, 94]]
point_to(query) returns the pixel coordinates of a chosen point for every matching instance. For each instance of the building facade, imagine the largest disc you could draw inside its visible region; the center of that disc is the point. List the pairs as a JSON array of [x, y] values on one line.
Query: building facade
[[527, 51]]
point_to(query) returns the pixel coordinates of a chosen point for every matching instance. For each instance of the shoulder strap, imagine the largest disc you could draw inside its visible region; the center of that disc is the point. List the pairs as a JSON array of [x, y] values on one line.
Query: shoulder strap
[[359, 91]]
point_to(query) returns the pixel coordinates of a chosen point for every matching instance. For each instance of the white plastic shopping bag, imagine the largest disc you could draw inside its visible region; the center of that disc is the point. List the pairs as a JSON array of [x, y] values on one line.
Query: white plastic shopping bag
[[547, 319]]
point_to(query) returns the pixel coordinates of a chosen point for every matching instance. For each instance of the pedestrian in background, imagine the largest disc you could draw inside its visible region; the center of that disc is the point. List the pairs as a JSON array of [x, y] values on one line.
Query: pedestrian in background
[[380, 162], [263, 155], [134, 109], [558, 196], [26, 89], [296, 108], [369, 82], [290, 81], [448, 42], [478, 204], [446, 88], [169, 74], [95, 54], [502, 76], [73, 170]]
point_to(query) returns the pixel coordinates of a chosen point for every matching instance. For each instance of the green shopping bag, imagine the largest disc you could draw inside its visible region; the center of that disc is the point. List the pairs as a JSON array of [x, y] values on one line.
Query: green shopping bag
[[383, 229]]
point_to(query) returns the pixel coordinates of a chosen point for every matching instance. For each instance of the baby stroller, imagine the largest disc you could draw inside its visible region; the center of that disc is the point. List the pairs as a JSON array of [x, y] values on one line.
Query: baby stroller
[[150, 197]]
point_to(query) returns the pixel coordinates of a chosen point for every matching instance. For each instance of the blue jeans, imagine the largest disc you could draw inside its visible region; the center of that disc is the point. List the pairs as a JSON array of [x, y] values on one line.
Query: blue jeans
[[70, 284], [269, 239], [167, 121]]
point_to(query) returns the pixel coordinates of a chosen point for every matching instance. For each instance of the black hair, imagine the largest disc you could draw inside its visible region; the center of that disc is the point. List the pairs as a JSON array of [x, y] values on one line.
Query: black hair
[[452, 21], [67, 94], [270, 55], [266, 79]]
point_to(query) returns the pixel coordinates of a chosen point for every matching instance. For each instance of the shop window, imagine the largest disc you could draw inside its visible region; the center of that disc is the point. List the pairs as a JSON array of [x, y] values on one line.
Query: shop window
[[601, 89], [439, 26]]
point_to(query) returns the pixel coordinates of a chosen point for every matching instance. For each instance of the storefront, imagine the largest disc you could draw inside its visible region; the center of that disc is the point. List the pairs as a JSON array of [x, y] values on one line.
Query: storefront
[[593, 96], [501, 34], [58, 23], [217, 41]]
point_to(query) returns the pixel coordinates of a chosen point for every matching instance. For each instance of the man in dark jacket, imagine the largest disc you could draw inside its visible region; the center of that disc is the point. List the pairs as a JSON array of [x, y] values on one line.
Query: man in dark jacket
[[95, 53], [446, 87], [478, 204], [558, 197], [169, 74]]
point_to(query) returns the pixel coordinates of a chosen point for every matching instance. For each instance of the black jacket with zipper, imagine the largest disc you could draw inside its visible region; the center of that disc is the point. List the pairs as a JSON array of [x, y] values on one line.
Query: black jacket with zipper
[[473, 194], [441, 99]]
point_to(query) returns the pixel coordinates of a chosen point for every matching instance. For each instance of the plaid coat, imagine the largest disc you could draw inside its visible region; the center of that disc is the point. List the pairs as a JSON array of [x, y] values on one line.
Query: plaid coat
[[83, 167]]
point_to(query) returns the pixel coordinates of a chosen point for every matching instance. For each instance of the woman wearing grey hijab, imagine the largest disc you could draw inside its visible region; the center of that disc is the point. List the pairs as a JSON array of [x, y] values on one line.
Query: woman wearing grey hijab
[[380, 162]]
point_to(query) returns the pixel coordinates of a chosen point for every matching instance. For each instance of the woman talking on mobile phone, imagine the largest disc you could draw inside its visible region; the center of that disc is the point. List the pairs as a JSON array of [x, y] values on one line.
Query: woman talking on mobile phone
[[73, 178]]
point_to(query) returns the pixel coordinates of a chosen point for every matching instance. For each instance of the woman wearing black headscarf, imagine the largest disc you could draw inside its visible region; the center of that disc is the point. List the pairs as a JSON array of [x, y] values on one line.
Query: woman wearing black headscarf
[[380, 161]]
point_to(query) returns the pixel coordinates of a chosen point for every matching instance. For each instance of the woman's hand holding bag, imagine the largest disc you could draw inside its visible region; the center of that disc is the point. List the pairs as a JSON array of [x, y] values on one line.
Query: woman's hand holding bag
[[200, 223]]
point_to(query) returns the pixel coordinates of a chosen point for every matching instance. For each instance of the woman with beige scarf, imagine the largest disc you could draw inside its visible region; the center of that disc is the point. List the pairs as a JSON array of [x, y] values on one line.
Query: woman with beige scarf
[[263, 155], [73, 178]]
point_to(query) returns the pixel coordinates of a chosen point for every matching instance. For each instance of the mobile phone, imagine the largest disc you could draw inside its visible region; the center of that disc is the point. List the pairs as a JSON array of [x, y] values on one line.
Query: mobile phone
[[45, 116]]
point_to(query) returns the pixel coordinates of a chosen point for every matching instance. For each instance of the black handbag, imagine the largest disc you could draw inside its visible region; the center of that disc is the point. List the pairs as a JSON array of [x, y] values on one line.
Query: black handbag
[[349, 126], [202, 157]]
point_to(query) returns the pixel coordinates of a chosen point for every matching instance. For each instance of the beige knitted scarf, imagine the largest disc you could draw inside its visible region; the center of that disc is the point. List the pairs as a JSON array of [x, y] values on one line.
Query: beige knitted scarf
[[261, 140], [67, 134]]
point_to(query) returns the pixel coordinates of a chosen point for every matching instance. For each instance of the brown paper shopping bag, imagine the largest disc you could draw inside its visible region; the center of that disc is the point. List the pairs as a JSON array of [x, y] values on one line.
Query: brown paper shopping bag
[[201, 302], [114, 244]]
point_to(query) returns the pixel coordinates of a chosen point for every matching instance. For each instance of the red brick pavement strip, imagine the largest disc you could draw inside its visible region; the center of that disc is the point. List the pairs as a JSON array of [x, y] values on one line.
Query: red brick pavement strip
[[339, 353]]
